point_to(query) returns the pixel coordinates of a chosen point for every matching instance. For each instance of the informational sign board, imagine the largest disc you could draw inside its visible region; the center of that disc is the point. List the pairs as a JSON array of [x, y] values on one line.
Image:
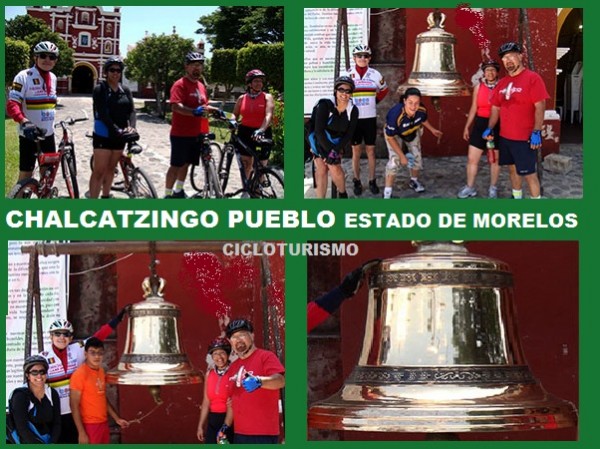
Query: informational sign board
[[53, 294], [320, 30]]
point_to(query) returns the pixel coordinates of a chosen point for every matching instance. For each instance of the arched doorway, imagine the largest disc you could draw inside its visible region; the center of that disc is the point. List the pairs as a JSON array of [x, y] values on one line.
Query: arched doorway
[[569, 39], [82, 80]]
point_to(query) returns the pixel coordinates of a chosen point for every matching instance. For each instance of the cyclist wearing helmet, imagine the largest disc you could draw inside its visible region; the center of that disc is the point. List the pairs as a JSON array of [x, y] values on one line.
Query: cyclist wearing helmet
[[31, 103], [256, 110], [331, 127], [370, 89], [519, 101], [64, 357], [114, 123], [479, 114], [34, 409], [403, 131], [189, 102], [257, 376], [215, 404]]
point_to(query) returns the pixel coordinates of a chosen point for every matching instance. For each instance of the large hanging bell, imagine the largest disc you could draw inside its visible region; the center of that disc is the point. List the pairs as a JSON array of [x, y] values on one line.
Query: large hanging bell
[[153, 354], [434, 68], [441, 353]]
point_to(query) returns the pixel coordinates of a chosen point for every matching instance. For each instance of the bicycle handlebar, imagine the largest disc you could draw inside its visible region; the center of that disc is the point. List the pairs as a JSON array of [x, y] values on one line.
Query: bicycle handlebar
[[70, 121]]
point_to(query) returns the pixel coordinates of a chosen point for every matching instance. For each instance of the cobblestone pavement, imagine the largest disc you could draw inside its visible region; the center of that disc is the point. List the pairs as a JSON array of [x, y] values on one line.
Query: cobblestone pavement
[[443, 177], [154, 160]]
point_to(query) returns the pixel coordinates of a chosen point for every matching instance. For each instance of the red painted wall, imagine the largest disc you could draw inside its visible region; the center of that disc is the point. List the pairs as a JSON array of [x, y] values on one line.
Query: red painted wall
[[546, 276], [203, 285]]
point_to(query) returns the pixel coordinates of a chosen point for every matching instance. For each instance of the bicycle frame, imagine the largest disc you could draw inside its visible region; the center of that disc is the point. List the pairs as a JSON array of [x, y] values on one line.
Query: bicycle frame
[[235, 142]]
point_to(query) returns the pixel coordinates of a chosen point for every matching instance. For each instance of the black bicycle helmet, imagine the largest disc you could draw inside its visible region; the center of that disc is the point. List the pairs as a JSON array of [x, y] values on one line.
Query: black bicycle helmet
[[194, 56], [507, 47], [33, 360], [238, 325], [113, 60], [490, 63], [343, 80], [219, 343]]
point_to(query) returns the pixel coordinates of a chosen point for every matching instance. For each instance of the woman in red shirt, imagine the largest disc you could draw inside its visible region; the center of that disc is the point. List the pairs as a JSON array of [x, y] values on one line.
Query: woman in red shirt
[[479, 115], [216, 393], [256, 110]]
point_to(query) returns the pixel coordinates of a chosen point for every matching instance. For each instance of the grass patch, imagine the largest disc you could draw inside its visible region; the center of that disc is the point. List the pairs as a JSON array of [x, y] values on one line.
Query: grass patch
[[11, 155]]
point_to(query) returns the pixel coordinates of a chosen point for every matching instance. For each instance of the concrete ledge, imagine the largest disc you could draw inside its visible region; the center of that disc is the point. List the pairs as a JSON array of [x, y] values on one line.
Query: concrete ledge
[[557, 163]]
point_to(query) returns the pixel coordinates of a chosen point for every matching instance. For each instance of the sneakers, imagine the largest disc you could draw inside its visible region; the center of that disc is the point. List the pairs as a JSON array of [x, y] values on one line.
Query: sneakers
[[416, 185], [467, 192], [342, 195], [176, 195], [373, 187], [493, 192], [357, 187]]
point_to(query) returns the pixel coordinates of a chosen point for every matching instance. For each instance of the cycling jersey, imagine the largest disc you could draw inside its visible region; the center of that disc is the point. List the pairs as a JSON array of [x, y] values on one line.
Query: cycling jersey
[[368, 89], [398, 123], [36, 98], [253, 110]]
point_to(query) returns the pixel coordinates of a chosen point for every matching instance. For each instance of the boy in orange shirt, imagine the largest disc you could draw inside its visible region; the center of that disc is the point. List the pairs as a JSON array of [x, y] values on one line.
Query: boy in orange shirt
[[89, 404]]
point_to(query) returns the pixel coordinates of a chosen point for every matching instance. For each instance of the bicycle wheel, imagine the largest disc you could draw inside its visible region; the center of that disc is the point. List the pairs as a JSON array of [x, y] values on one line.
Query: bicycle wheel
[[27, 188], [140, 185], [266, 183], [69, 172], [197, 172], [213, 180]]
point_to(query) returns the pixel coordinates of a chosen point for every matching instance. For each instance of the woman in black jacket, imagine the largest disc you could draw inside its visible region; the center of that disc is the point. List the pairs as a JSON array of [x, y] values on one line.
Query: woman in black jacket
[[332, 125], [35, 407], [114, 126]]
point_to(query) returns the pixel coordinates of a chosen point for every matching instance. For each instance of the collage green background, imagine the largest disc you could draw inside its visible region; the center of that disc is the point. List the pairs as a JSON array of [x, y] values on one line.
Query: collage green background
[[587, 232]]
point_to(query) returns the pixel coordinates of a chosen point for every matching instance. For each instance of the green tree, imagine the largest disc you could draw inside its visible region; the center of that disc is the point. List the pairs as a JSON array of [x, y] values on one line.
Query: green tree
[[158, 60], [16, 58], [220, 69], [31, 30], [266, 57], [23, 26], [235, 26]]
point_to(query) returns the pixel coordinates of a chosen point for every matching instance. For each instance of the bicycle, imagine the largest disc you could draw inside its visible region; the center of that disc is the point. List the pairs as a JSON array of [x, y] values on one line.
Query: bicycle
[[48, 164], [204, 177], [129, 179], [264, 182]]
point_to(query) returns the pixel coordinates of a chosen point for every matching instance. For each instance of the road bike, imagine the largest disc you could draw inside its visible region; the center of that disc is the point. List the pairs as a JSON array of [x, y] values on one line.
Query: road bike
[[48, 164], [204, 177], [129, 179], [264, 182]]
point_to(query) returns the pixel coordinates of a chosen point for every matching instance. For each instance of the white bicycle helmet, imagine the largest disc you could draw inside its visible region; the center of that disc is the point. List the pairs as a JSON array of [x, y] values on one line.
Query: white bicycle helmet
[[46, 47], [362, 50], [61, 325]]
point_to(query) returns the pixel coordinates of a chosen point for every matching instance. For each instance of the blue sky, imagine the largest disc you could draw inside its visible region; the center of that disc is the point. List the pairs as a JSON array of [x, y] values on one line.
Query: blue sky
[[136, 20]]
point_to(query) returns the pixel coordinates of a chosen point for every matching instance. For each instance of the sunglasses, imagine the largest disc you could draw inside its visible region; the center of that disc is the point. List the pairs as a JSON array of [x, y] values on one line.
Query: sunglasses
[[363, 56], [344, 91], [37, 372], [115, 70], [47, 56], [61, 333]]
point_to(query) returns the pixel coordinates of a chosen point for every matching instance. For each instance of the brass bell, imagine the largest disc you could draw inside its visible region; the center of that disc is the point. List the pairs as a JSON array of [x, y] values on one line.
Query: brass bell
[[153, 354], [434, 68], [441, 353]]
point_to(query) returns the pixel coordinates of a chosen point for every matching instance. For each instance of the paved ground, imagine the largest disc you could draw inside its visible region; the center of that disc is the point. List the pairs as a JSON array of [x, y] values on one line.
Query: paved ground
[[443, 177], [154, 138]]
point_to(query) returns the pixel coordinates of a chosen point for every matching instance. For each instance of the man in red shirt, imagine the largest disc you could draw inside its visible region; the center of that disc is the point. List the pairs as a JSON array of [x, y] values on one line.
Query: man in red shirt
[[257, 377], [519, 100], [189, 102]]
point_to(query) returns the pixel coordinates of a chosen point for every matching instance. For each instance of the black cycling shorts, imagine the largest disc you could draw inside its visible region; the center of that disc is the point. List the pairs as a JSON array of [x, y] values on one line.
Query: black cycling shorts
[[244, 133], [366, 129], [28, 149], [480, 124], [184, 150], [107, 143]]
